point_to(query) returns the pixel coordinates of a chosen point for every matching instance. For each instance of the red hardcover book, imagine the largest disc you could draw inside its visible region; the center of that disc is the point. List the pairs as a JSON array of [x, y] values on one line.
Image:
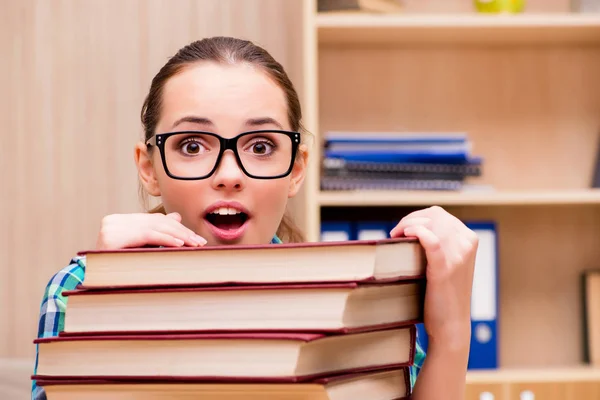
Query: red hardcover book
[[387, 384], [352, 261], [241, 357], [341, 307]]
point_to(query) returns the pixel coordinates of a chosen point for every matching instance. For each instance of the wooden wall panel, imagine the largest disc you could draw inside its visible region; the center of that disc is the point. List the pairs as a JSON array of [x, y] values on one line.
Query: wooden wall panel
[[74, 75]]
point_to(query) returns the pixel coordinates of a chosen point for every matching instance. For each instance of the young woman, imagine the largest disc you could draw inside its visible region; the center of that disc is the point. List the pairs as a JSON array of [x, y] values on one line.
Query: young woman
[[224, 149]]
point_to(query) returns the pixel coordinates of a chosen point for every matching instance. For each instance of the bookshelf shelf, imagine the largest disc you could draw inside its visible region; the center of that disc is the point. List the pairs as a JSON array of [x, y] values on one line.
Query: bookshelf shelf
[[520, 375], [419, 198], [348, 28]]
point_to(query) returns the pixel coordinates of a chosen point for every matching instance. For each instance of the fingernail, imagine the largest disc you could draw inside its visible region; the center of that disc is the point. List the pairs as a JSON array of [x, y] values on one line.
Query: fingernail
[[199, 239], [179, 242]]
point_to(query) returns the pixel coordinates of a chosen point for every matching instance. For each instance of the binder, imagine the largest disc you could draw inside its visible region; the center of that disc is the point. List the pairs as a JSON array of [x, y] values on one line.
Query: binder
[[333, 231], [484, 345], [372, 230], [484, 299]]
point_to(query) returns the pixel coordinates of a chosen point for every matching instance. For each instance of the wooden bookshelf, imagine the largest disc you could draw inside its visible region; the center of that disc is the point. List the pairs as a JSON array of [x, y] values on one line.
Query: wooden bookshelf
[[377, 29], [475, 198], [547, 383], [521, 375], [526, 89]]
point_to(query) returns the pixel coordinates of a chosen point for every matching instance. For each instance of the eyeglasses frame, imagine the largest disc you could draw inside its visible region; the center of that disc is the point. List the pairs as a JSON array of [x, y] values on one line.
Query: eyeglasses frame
[[159, 140]]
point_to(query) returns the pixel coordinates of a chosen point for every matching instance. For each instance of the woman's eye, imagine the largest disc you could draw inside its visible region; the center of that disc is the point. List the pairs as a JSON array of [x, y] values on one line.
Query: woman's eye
[[261, 148], [191, 147]]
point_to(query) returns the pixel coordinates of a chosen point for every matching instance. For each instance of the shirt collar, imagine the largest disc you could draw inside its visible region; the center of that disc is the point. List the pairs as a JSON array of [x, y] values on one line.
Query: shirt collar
[[276, 240]]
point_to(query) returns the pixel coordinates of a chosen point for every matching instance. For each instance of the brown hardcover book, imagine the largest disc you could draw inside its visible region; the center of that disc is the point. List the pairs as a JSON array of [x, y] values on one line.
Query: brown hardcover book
[[342, 307], [238, 357], [352, 261], [380, 385], [591, 317]]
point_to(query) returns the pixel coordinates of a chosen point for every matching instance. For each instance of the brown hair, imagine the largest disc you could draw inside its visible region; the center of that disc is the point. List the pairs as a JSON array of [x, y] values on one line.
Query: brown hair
[[224, 50]]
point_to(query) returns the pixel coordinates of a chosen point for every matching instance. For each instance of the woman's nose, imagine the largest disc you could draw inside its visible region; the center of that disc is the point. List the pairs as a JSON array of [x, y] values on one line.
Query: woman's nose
[[228, 174]]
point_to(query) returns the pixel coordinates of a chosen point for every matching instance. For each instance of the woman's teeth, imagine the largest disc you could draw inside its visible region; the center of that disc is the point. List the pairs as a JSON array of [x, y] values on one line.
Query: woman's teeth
[[226, 211]]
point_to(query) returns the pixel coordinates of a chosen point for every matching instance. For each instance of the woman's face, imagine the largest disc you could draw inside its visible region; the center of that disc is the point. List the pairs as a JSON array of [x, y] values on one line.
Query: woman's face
[[226, 100]]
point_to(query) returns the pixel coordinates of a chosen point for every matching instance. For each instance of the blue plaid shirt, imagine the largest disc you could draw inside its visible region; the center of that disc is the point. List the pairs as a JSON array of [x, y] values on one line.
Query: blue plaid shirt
[[54, 305]]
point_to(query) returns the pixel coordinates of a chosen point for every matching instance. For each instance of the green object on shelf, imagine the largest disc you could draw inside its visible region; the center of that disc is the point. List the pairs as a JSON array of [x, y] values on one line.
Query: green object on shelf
[[500, 6]]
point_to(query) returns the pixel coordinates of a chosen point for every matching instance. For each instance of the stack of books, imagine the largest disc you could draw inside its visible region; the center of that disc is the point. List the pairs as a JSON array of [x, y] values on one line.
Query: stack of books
[[289, 321], [397, 161]]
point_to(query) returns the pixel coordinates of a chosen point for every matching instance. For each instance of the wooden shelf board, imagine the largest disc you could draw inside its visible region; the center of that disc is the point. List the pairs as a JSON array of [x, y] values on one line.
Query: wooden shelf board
[[519, 375], [348, 28], [418, 198]]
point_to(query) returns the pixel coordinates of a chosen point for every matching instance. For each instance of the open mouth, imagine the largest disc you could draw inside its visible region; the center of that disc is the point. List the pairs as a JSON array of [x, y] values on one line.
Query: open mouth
[[227, 219]]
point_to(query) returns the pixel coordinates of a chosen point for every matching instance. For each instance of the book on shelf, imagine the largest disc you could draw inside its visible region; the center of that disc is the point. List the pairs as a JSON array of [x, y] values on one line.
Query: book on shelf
[[341, 261], [291, 357], [327, 307], [379, 6], [397, 161], [378, 385], [590, 290], [586, 6]]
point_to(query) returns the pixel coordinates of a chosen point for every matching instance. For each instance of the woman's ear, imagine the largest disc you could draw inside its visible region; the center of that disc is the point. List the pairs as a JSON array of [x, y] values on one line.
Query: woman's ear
[[146, 172], [299, 171]]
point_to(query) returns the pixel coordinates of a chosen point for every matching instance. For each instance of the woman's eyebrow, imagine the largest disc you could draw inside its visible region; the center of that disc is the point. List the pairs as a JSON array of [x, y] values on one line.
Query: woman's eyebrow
[[194, 120], [263, 121]]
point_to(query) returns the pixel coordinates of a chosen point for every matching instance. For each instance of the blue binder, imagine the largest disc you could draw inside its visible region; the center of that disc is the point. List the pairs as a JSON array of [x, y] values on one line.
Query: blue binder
[[336, 231], [484, 301], [372, 230]]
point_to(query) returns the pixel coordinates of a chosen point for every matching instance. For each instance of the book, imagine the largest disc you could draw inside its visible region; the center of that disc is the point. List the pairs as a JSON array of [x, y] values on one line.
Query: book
[[409, 138], [379, 385], [591, 316], [398, 156], [341, 307], [399, 147], [382, 6], [336, 261], [238, 357]]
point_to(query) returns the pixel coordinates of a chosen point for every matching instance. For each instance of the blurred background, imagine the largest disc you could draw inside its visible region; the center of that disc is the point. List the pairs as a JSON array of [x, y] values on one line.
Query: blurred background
[[502, 96]]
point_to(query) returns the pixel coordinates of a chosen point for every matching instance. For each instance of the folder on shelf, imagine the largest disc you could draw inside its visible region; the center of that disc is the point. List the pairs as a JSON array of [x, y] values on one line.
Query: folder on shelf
[[372, 230], [333, 231], [590, 291], [484, 301]]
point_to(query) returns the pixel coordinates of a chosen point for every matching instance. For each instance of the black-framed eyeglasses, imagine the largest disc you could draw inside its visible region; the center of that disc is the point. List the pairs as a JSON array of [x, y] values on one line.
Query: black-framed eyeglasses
[[194, 155]]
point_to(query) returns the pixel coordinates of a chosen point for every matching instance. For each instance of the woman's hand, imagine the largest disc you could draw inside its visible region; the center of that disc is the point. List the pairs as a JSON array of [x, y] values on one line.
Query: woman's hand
[[119, 231], [450, 248]]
